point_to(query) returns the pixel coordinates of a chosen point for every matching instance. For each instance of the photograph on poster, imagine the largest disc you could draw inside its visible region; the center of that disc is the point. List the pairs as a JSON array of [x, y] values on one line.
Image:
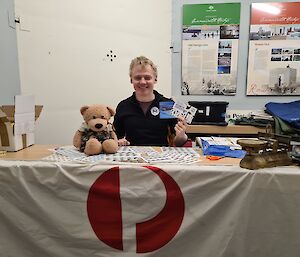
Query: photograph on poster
[[200, 32], [296, 58], [229, 32], [274, 53], [210, 35], [275, 32], [222, 53], [224, 61]]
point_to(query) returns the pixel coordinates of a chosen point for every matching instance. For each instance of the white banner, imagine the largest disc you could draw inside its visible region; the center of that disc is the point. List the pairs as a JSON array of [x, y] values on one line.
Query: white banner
[[69, 210]]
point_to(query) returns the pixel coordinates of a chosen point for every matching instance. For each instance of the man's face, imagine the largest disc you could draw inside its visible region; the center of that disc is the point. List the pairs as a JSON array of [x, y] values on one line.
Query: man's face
[[143, 80]]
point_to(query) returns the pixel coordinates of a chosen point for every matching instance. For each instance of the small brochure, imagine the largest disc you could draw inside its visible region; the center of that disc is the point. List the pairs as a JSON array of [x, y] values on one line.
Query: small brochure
[[165, 110], [171, 110]]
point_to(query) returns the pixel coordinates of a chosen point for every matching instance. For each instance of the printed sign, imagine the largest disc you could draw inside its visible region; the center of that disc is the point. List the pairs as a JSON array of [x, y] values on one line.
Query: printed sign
[[274, 49], [210, 37]]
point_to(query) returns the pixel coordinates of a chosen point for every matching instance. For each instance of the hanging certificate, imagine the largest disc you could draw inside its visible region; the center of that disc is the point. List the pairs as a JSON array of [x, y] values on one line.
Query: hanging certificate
[[274, 49], [210, 36]]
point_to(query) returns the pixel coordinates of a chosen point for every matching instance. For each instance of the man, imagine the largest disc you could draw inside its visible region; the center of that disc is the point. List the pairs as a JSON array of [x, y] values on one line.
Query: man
[[137, 119]]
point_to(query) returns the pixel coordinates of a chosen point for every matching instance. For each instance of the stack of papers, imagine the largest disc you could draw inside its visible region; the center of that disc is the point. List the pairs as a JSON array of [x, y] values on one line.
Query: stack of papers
[[227, 141], [261, 115]]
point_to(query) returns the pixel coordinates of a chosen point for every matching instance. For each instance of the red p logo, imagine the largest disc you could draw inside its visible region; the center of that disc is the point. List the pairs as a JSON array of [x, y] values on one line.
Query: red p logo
[[105, 212]]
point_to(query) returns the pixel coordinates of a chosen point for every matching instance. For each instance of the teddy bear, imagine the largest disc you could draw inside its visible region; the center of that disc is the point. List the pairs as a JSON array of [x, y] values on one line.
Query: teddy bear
[[96, 134]]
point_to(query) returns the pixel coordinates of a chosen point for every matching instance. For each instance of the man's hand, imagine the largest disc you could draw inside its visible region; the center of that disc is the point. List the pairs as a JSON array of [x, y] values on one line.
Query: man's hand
[[180, 127], [123, 142]]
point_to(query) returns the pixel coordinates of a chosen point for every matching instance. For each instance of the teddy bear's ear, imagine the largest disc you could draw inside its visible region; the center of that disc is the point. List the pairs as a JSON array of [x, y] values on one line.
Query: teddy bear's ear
[[111, 111], [83, 109]]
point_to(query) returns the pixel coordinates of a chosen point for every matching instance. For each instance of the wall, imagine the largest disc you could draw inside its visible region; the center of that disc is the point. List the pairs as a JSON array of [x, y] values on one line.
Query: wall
[[9, 70], [63, 47], [240, 101]]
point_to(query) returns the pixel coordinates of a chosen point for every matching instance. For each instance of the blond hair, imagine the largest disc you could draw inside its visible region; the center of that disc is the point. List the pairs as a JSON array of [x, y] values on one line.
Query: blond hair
[[143, 61]]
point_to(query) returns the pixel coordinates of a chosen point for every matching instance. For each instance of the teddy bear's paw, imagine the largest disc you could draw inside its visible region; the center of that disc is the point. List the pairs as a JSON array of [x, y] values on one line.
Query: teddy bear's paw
[[110, 146], [92, 147], [77, 139]]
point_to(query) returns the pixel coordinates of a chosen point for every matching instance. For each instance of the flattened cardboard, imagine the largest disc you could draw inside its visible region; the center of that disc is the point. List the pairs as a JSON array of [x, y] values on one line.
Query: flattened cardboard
[[9, 111]]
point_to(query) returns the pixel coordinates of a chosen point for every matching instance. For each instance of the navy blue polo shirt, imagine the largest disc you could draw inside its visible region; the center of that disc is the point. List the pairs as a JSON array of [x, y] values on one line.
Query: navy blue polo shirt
[[143, 129]]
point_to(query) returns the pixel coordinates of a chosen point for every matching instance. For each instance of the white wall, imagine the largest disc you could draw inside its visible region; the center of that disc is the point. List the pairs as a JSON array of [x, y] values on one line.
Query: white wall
[[240, 101], [63, 47], [9, 70]]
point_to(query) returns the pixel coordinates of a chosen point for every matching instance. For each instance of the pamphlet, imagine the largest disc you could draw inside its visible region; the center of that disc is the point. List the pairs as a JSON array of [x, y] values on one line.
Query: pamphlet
[[171, 110]]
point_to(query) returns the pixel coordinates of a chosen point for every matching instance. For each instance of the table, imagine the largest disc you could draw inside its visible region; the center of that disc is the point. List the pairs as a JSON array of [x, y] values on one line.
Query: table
[[34, 152], [76, 209], [37, 152]]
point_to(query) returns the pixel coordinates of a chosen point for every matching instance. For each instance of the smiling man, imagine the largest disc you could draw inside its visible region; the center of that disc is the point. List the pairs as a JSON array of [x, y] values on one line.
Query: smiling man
[[137, 120]]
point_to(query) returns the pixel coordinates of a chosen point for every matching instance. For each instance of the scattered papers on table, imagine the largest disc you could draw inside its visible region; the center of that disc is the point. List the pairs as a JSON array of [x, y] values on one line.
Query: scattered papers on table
[[182, 150], [123, 154], [175, 155], [142, 149], [118, 157], [171, 156]]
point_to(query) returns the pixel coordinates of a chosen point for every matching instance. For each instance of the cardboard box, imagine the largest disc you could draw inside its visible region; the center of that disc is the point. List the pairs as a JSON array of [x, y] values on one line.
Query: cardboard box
[[17, 123]]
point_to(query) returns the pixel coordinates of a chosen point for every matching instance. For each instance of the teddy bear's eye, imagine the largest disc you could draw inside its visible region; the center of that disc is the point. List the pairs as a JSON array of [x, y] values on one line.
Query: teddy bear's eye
[[102, 117], [94, 117]]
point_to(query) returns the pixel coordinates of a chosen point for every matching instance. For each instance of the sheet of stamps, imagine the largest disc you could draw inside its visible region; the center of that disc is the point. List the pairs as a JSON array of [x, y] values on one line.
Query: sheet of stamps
[[134, 154]]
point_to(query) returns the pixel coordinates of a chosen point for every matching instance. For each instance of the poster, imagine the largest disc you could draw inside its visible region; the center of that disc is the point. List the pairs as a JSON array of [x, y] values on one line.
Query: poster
[[210, 36], [274, 49]]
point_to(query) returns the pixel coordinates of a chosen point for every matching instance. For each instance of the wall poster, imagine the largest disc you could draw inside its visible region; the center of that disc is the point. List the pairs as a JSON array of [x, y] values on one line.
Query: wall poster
[[274, 49], [210, 36]]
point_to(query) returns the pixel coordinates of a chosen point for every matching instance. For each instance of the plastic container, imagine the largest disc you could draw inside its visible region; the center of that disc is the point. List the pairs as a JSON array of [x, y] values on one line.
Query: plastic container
[[213, 113]]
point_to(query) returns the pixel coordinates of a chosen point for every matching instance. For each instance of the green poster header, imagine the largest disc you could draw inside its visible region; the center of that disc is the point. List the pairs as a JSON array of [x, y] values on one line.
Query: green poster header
[[211, 14]]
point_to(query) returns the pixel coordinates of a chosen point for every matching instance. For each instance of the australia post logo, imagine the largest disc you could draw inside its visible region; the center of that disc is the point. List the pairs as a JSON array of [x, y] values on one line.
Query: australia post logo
[[109, 214]]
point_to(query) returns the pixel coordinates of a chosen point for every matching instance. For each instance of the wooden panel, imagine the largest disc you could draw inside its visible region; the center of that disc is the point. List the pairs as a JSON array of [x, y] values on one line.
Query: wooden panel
[[223, 130]]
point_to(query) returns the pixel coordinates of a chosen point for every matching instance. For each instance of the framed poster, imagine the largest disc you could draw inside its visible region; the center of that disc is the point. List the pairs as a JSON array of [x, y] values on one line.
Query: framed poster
[[274, 49], [210, 36]]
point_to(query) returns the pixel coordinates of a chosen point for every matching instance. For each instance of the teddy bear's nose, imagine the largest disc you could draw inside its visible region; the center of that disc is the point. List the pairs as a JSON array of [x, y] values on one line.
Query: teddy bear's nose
[[98, 126]]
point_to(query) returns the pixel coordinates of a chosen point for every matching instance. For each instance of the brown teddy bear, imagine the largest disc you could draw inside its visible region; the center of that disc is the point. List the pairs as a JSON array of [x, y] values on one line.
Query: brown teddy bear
[[96, 134]]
